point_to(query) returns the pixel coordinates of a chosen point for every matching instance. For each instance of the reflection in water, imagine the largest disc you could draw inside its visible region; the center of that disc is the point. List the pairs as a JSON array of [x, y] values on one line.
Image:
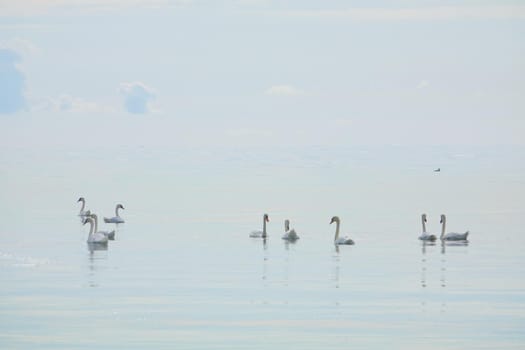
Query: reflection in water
[[445, 244], [337, 259], [452, 244], [92, 247], [265, 259], [287, 243], [443, 278], [97, 253], [424, 245]]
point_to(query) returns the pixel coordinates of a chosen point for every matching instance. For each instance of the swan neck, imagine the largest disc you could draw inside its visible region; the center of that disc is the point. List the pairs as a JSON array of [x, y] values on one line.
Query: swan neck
[[264, 227], [116, 210], [91, 228], [424, 225], [443, 227], [95, 220], [83, 206], [337, 224]]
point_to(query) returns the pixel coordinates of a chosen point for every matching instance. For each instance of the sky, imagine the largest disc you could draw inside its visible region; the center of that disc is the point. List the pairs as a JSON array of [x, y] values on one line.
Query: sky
[[265, 73]]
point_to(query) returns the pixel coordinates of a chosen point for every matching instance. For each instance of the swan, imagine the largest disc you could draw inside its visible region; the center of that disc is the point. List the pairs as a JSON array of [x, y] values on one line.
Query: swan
[[451, 236], [339, 240], [82, 211], [262, 233], [108, 234], [425, 236], [95, 237], [289, 235], [116, 219]]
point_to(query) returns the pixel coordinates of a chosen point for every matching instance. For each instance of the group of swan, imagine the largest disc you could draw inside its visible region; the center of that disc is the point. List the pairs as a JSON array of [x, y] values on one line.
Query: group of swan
[[451, 236], [96, 236], [291, 235]]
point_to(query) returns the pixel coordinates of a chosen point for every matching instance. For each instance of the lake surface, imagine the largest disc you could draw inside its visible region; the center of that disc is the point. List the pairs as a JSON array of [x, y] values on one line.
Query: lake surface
[[183, 273]]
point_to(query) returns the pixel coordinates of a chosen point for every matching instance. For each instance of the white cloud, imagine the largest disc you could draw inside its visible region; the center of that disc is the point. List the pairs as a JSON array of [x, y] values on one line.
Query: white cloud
[[283, 90], [423, 84], [20, 45], [437, 13], [136, 97], [343, 122], [249, 132], [68, 103], [32, 7], [12, 83]]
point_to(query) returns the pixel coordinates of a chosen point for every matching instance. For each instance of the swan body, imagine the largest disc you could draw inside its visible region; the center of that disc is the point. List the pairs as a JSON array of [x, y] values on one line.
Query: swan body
[[95, 237], [108, 234], [340, 240], [83, 212], [116, 219], [289, 234], [425, 236], [451, 236], [261, 234]]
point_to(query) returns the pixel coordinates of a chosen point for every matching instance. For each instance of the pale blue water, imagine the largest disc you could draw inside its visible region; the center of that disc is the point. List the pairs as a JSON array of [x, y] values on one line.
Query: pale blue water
[[183, 273]]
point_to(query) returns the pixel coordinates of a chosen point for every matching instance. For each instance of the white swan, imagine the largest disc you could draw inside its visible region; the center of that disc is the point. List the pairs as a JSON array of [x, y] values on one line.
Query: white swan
[[82, 211], [289, 235], [258, 234], [451, 236], [94, 237], [425, 236], [339, 240], [108, 234], [116, 219]]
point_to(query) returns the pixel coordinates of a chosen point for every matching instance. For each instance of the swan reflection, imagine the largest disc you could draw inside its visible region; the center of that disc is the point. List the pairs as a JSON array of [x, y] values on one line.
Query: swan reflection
[[445, 244], [424, 245], [97, 253], [92, 247]]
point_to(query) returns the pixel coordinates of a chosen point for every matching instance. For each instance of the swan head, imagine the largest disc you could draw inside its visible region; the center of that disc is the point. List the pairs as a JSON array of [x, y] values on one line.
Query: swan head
[[81, 199], [335, 219], [87, 220], [120, 206], [92, 215], [443, 218], [424, 217], [265, 217]]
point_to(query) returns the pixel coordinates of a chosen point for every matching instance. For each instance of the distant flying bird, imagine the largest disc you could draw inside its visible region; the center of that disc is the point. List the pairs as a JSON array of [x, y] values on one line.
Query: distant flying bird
[[437, 170]]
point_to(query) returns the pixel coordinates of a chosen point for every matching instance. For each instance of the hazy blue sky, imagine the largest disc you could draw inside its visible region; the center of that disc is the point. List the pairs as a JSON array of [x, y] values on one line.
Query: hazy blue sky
[[261, 72]]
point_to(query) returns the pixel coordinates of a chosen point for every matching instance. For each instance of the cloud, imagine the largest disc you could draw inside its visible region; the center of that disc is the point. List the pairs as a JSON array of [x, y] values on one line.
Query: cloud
[[68, 103], [12, 83], [423, 84], [20, 45], [136, 97], [66, 7], [283, 90], [436, 13]]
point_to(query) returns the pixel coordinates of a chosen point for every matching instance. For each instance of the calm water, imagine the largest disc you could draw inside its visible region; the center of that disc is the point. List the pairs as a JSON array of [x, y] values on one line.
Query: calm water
[[183, 273]]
